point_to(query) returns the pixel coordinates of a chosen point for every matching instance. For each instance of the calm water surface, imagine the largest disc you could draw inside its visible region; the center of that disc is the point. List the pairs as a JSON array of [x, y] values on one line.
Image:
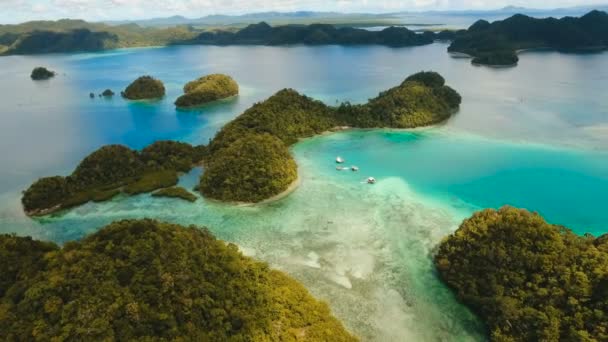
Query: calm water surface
[[534, 136]]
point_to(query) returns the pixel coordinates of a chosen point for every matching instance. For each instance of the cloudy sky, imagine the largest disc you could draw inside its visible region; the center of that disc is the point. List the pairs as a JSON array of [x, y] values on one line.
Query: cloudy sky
[[12, 11]]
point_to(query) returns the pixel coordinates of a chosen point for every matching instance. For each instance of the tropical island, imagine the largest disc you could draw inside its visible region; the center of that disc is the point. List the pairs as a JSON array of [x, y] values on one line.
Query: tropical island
[[144, 88], [107, 93], [112, 170], [497, 43], [41, 73], [38, 37], [207, 89], [315, 34], [528, 279], [249, 160], [149, 281], [66, 35]]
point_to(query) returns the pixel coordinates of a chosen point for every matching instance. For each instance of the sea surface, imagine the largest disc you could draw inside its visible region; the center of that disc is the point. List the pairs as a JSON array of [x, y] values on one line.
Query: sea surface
[[534, 136]]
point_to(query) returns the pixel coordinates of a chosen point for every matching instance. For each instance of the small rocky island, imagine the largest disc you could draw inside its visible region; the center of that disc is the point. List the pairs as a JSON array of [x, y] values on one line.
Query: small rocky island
[[144, 88], [527, 279], [207, 89], [42, 73], [112, 170], [145, 280], [107, 93]]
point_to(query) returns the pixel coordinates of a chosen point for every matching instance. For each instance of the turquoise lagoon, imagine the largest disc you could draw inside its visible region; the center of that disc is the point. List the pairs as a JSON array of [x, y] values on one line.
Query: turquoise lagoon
[[535, 136]]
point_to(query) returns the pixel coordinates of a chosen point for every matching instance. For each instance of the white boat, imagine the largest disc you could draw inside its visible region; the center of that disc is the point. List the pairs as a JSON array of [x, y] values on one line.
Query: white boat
[[340, 168], [339, 160], [371, 180], [354, 168]]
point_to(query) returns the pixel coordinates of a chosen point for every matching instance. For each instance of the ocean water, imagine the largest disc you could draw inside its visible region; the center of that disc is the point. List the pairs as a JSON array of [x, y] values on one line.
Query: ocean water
[[534, 136]]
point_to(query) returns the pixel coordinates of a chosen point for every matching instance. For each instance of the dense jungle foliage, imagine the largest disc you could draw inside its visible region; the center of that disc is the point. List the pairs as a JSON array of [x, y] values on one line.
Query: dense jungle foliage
[[315, 34], [143, 280], [145, 87], [498, 42], [207, 89], [110, 170], [422, 99], [248, 160], [41, 73], [176, 192], [251, 169], [286, 115], [528, 279]]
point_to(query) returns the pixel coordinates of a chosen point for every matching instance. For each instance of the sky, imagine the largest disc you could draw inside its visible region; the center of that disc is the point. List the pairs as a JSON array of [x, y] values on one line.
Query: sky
[[13, 11]]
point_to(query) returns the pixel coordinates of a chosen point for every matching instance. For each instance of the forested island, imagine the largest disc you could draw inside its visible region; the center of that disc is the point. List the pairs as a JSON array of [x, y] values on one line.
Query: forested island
[[112, 170], [497, 43], [494, 43], [144, 88], [315, 34], [249, 161], [67, 35], [39, 37], [41, 73], [528, 279], [207, 89], [146, 280]]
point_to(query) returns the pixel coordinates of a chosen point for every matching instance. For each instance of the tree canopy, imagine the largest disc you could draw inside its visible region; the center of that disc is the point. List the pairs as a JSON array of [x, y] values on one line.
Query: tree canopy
[[207, 89], [251, 169], [41, 73], [150, 281], [143, 88], [497, 43], [528, 279], [110, 170], [314, 34]]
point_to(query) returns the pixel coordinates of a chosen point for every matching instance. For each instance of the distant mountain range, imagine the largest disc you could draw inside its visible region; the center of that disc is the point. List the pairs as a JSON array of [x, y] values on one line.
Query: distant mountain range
[[309, 17], [274, 18]]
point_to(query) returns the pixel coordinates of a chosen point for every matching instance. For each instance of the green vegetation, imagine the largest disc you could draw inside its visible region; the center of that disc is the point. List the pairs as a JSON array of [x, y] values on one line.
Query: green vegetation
[[41, 73], [529, 280], [143, 280], [109, 171], [497, 43], [152, 181], [66, 35], [286, 115], [207, 89], [176, 192], [422, 99], [251, 169], [107, 93], [172, 155], [314, 34], [248, 160], [145, 87]]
